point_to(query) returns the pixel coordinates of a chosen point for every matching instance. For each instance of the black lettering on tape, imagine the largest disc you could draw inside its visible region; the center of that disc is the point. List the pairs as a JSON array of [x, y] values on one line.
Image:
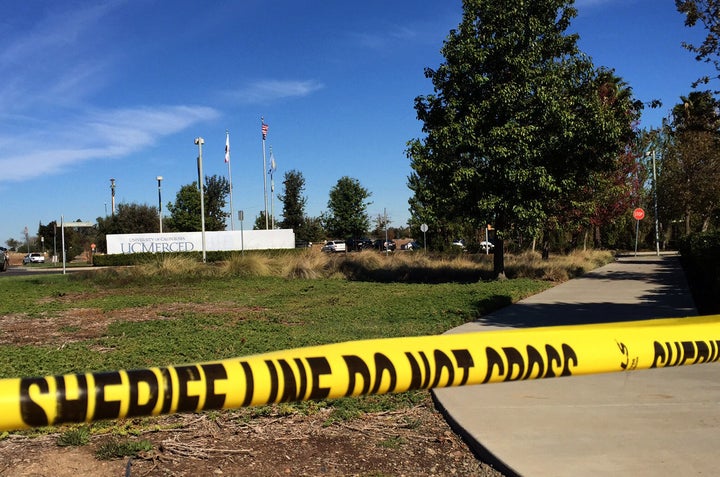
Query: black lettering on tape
[[135, 377], [31, 412], [213, 372], [319, 366], [415, 373], [442, 361], [703, 352], [569, 357], [515, 360], [105, 409], [552, 357], [465, 362], [426, 368], [71, 410], [167, 390], [249, 383], [356, 366], [534, 359], [678, 353], [554, 362], [186, 374], [291, 390], [274, 381], [383, 364], [493, 361]]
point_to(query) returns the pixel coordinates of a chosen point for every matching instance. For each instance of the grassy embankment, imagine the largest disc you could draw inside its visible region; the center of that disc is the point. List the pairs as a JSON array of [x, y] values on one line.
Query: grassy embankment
[[175, 311]]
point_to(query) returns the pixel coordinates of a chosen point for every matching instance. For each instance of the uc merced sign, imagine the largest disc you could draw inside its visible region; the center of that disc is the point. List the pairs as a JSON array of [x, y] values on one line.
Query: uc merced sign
[[192, 241]]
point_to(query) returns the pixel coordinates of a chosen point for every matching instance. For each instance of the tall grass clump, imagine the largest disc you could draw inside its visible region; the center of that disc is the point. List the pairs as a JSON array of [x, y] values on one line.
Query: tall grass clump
[[309, 264], [172, 266], [558, 268], [249, 265]]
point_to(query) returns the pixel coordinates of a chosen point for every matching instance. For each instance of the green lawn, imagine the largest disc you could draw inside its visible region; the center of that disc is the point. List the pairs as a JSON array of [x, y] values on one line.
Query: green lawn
[[208, 318]]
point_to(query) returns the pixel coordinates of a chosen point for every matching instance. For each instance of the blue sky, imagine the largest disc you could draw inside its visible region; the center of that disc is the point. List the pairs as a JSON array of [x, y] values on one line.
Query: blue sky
[[93, 90]]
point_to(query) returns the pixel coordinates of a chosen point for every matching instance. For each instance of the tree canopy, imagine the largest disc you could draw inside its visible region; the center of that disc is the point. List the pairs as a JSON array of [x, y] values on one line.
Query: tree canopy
[[293, 200], [185, 212], [518, 122], [347, 215], [706, 12]]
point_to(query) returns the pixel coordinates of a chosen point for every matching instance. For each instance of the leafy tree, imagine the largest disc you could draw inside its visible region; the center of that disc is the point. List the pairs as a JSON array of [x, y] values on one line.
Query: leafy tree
[[13, 244], [260, 221], [519, 121], [128, 219], [311, 230], [347, 215], [690, 166], [185, 212], [707, 12], [293, 201]]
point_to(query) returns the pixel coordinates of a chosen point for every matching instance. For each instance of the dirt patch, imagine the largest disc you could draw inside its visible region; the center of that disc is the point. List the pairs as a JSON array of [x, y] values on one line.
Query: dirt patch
[[411, 442], [80, 324]]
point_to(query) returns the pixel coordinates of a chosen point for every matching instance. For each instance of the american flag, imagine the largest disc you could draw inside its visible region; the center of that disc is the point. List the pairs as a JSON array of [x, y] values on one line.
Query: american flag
[[264, 130], [227, 148]]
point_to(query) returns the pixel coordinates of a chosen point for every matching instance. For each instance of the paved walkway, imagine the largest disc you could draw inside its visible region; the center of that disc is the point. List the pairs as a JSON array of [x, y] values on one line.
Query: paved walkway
[[656, 422]]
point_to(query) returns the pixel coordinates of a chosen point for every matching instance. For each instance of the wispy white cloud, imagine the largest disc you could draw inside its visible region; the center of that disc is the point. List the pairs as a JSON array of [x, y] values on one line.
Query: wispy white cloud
[[271, 90], [100, 135], [43, 63], [383, 39]]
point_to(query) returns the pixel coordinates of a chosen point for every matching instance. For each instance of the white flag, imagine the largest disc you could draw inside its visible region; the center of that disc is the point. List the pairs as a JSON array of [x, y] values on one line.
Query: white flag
[[227, 148]]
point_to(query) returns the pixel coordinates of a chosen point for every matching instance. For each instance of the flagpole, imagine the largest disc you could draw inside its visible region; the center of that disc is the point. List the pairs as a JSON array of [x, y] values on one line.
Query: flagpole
[[272, 188], [227, 160], [264, 135]]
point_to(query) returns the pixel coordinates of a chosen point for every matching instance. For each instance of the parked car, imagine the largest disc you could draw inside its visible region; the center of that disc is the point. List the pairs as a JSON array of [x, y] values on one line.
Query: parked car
[[358, 245], [411, 246], [33, 258], [4, 259], [459, 243], [486, 246], [382, 245], [332, 246]]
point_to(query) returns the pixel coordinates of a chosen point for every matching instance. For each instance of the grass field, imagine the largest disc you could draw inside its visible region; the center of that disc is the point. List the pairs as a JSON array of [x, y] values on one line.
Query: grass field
[[175, 311]]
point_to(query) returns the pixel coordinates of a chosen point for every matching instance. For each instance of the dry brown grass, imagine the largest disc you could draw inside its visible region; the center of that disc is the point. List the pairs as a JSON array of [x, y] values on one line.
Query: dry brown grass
[[415, 267]]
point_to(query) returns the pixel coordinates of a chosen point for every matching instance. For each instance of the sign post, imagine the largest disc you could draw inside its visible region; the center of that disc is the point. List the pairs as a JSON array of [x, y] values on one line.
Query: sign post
[[424, 229], [638, 215]]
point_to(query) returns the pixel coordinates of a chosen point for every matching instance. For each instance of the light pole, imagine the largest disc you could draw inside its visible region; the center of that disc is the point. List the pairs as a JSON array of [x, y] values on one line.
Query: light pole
[[112, 198], [655, 203], [200, 141], [159, 179]]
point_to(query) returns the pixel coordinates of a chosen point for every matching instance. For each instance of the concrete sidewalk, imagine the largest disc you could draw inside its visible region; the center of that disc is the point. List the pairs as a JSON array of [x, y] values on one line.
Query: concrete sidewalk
[[644, 423]]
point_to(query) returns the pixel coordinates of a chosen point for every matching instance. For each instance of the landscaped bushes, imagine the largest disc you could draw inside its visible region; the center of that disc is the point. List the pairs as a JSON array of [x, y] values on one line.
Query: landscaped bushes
[[701, 260]]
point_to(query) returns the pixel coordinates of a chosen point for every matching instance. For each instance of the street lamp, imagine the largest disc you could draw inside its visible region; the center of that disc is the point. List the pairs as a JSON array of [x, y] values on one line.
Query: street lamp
[[159, 179], [657, 227], [199, 142]]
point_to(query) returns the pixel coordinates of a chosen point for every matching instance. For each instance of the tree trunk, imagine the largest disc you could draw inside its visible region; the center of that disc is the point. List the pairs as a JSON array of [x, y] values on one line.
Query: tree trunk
[[499, 260]]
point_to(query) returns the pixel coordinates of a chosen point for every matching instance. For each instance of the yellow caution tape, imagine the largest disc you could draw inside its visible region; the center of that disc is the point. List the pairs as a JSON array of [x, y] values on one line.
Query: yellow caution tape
[[360, 367]]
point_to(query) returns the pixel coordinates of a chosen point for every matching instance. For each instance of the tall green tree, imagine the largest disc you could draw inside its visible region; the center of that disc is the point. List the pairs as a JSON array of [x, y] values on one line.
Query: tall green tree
[[129, 219], [347, 215], [690, 166], [260, 221], [707, 13], [185, 212], [293, 200], [517, 121]]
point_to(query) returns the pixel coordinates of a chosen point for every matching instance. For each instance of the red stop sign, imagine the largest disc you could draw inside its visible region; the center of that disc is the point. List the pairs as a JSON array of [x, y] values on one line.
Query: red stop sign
[[638, 214]]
